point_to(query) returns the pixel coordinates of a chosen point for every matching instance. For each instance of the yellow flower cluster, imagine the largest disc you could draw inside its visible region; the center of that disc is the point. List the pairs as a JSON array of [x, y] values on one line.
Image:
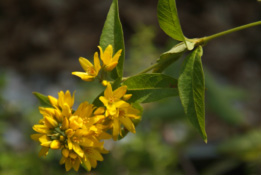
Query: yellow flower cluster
[[77, 134], [80, 134], [92, 71]]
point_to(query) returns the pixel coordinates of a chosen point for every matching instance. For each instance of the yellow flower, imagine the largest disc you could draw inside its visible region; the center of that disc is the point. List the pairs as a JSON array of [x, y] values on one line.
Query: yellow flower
[[109, 61], [112, 99], [118, 111], [77, 133], [90, 71], [124, 117], [73, 160], [91, 157], [70, 159]]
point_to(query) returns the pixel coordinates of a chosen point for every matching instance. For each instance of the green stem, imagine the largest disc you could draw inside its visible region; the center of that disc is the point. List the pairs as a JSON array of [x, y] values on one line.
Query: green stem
[[209, 38], [148, 69], [59, 131], [204, 40]]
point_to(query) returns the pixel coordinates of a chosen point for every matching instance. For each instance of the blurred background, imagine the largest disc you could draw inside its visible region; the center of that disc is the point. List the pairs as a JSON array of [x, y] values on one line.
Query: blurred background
[[42, 40]]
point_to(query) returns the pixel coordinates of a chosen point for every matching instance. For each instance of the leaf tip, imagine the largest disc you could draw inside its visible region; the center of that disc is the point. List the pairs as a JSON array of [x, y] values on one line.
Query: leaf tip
[[206, 140]]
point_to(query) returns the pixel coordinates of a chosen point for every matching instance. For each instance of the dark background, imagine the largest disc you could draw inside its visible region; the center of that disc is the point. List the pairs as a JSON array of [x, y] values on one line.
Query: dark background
[[41, 41]]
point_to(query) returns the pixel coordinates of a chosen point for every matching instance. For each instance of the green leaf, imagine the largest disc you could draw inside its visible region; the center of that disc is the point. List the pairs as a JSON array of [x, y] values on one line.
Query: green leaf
[[112, 33], [151, 87], [191, 86], [167, 58], [44, 101], [168, 19]]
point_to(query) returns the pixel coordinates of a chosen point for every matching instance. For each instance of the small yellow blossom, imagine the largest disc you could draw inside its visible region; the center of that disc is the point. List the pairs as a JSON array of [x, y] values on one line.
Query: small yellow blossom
[[70, 159], [90, 71], [112, 99], [124, 117], [118, 112], [109, 61]]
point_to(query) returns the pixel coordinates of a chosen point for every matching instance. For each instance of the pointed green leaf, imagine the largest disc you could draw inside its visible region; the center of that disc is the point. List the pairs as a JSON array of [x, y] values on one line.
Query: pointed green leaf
[[112, 33], [167, 58], [151, 87], [44, 101], [168, 19], [191, 86]]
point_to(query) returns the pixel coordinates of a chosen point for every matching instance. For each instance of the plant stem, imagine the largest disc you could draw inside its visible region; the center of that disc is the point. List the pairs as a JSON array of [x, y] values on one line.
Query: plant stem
[[59, 131], [204, 40], [148, 69], [209, 38]]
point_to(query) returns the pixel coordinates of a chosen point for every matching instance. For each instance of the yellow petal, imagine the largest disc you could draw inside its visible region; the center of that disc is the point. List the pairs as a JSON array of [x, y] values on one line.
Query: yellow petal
[[117, 56], [86, 64], [116, 129], [99, 111], [47, 111], [101, 52], [69, 133], [61, 99], [75, 122], [70, 144], [45, 141], [96, 119], [41, 129], [73, 155], [65, 124], [78, 149], [93, 162], [56, 144], [108, 93], [66, 110], [68, 99], [120, 92], [86, 142], [103, 100], [65, 152], [53, 101], [50, 122], [94, 154], [76, 164], [121, 104], [87, 164], [44, 138], [107, 55], [104, 136], [82, 132], [103, 151], [97, 63], [68, 164], [111, 108], [126, 97], [110, 66], [36, 137], [43, 151], [84, 76], [128, 124], [62, 161], [58, 115], [84, 110]]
